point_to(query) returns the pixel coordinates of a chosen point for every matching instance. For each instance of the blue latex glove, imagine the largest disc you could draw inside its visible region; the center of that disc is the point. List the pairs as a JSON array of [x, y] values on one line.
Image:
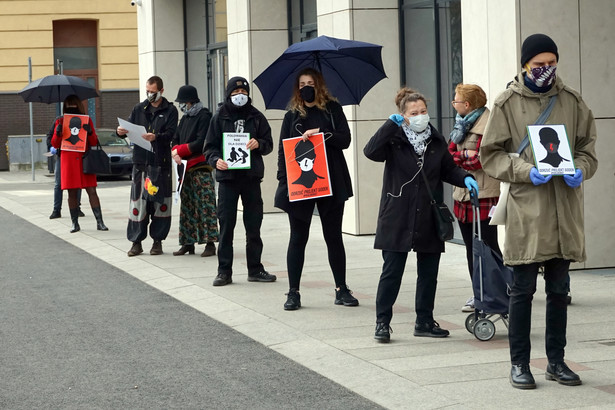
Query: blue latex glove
[[537, 178], [53, 151], [472, 185], [397, 119], [575, 180]]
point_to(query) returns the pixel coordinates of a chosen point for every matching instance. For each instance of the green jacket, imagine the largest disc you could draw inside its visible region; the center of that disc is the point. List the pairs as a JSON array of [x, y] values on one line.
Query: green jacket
[[546, 221]]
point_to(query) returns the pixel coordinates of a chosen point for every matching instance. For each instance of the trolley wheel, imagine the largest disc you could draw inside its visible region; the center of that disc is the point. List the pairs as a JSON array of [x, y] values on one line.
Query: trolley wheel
[[470, 321], [484, 329]]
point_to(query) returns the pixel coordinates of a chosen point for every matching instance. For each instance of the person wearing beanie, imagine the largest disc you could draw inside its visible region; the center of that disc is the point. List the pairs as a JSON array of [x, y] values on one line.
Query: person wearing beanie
[[237, 115], [544, 218], [159, 117], [197, 215]]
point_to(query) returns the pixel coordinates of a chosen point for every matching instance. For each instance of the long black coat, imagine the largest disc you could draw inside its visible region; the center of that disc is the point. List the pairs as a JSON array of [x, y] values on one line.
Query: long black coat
[[405, 222]]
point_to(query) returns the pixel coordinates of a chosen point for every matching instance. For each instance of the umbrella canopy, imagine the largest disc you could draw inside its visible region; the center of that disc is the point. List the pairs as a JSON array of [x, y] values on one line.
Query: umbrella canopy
[[55, 88], [350, 68]]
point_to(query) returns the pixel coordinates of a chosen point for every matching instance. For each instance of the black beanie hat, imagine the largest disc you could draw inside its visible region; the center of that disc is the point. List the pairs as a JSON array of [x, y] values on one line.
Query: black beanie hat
[[187, 94], [235, 83], [536, 44]]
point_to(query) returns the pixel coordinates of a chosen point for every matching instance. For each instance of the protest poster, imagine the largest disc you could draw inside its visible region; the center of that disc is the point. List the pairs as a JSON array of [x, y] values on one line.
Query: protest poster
[[234, 150], [74, 135], [551, 149], [307, 169]]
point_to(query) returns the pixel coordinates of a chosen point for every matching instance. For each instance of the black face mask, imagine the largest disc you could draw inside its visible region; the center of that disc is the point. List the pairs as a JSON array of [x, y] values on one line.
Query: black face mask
[[71, 110], [308, 94]]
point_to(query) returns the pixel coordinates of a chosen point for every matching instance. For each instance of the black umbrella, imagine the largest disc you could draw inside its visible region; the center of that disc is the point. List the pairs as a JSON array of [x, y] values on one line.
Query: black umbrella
[[350, 69], [55, 88]]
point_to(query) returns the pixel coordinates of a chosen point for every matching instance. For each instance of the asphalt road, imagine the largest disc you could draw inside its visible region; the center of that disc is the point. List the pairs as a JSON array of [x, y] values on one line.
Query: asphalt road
[[78, 333]]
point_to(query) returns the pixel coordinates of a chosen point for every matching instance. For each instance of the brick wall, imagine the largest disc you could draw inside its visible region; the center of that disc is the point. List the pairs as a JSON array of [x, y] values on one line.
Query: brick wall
[[15, 115]]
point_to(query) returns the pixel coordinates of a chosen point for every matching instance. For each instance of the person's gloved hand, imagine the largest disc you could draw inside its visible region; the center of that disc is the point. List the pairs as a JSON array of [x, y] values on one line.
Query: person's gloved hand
[[575, 180], [472, 185], [397, 119], [59, 129], [537, 178], [87, 128], [53, 151]]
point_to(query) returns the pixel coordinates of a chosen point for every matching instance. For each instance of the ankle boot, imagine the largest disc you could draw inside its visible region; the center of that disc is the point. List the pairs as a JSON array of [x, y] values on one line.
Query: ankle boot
[[184, 250], [74, 216], [100, 225]]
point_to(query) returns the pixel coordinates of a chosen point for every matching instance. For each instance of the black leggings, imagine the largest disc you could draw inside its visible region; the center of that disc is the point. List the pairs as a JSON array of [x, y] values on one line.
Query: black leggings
[[332, 231]]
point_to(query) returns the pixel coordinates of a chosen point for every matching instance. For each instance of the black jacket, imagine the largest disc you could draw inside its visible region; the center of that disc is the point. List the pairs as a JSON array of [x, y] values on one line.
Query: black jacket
[[332, 120], [226, 120], [191, 133], [406, 222], [163, 123]]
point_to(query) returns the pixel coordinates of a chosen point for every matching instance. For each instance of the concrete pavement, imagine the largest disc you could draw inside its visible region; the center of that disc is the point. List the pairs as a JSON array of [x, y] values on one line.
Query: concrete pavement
[[337, 342]]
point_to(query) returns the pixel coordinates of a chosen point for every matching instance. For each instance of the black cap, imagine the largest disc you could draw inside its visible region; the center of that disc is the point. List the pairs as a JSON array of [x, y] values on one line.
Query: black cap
[[536, 44], [235, 83], [187, 94]]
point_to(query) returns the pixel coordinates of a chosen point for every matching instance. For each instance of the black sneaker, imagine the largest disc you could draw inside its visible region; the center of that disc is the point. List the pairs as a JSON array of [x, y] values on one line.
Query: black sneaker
[[293, 300], [344, 297], [432, 329], [383, 332], [55, 214], [223, 279], [262, 276]]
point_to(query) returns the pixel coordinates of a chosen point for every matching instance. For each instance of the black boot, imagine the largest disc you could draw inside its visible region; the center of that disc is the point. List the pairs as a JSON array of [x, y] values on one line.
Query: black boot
[[100, 225], [74, 216]]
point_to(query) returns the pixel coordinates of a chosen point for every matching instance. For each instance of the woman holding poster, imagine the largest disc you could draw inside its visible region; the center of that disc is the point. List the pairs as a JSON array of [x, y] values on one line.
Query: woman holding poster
[[75, 138], [410, 146], [312, 171]]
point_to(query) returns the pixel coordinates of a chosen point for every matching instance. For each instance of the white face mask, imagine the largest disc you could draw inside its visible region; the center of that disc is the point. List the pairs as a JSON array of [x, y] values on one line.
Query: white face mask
[[418, 123], [153, 97], [239, 99]]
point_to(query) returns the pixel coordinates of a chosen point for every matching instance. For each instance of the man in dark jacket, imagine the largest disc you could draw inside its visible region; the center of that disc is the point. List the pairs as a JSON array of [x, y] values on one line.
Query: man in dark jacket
[[159, 117], [237, 115]]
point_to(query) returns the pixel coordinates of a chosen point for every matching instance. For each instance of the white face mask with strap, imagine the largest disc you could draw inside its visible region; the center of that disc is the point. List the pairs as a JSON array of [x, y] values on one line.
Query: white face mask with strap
[[418, 123]]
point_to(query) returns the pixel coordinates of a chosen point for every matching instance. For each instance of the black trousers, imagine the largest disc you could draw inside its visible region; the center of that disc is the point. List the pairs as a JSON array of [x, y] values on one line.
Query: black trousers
[[427, 265], [229, 192], [332, 231], [489, 234], [520, 309]]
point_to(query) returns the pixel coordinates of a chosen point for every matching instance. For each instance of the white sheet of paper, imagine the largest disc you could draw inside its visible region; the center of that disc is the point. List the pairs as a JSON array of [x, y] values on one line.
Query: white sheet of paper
[[135, 133], [179, 178]]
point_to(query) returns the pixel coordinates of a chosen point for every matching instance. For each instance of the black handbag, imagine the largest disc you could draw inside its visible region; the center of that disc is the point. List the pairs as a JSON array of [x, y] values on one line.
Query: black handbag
[[442, 216], [96, 161]]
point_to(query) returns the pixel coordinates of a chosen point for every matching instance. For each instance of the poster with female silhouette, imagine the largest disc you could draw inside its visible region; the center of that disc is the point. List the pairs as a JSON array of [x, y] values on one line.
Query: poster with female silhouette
[[551, 149], [236, 155], [75, 130], [307, 170]]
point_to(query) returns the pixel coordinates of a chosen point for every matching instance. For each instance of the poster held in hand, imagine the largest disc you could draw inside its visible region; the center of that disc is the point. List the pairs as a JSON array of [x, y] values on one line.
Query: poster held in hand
[[551, 149], [234, 150], [75, 132], [307, 169]]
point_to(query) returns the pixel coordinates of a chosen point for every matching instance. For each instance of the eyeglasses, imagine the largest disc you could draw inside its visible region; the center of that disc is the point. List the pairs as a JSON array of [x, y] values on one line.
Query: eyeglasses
[[457, 102]]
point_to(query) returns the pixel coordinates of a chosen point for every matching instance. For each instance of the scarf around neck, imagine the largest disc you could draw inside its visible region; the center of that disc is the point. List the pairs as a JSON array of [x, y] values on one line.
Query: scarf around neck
[[464, 124], [194, 110], [417, 139]]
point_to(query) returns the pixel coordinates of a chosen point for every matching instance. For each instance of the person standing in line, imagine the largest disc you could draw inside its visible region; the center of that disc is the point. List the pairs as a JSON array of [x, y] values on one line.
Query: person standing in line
[[470, 122], [544, 218], [314, 110], [197, 215], [57, 174], [72, 177], [237, 115], [159, 117], [409, 146]]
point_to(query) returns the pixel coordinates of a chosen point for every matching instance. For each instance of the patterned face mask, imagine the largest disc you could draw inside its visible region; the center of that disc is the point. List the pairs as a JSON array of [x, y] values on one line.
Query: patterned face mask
[[542, 76]]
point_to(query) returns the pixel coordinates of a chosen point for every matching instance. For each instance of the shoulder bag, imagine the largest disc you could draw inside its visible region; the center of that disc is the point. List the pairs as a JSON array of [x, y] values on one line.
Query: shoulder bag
[[96, 161], [443, 217], [499, 214]]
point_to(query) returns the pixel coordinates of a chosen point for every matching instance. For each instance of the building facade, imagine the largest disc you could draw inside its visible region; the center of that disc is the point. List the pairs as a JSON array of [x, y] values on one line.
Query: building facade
[[94, 40], [430, 45]]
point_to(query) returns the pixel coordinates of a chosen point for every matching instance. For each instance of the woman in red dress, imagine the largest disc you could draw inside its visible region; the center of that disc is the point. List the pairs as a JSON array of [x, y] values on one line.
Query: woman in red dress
[[72, 176]]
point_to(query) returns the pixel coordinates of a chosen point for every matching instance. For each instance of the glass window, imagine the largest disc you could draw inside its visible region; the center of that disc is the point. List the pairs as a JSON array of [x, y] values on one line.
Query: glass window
[[76, 58], [431, 50], [302, 20]]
